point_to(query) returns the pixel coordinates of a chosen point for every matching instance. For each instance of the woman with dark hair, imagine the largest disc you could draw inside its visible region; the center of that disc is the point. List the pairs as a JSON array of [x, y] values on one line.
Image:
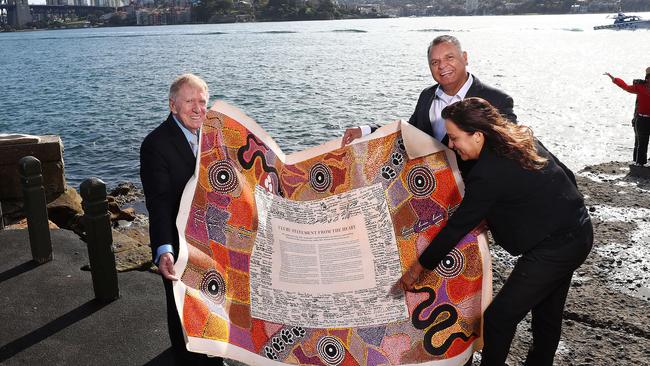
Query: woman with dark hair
[[531, 204]]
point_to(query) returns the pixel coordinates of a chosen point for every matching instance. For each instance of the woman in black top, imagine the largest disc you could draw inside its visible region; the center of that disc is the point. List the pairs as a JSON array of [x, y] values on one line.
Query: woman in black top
[[532, 207]]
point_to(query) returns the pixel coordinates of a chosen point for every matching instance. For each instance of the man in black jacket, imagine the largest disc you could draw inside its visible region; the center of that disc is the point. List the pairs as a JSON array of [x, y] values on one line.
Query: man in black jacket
[[447, 62], [167, 162]]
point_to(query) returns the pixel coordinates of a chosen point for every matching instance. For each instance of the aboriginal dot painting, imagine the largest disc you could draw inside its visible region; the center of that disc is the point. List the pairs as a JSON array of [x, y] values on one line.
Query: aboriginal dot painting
[[219, 222]]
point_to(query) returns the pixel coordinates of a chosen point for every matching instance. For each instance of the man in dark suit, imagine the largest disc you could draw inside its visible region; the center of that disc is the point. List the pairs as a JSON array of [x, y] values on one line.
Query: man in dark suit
[[447, 62], [167, 161]]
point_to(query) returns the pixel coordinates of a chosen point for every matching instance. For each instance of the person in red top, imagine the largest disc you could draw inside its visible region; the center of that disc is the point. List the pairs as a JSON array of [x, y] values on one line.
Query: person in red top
[[641, 121]]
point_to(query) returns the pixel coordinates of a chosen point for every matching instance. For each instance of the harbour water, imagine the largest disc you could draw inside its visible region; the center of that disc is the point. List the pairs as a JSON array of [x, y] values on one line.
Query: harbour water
[[102, 90]]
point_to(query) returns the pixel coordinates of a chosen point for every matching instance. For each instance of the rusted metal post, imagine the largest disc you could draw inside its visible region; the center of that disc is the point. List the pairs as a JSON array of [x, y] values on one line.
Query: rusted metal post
[[35, 209], [99, 239]]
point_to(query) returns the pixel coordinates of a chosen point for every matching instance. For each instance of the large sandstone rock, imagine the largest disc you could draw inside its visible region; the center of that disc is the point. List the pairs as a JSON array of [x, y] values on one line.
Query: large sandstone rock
[[13, 147], [131, 248], [117, 214], [22, 224], [66, 209], [17, 139], [47, 149]]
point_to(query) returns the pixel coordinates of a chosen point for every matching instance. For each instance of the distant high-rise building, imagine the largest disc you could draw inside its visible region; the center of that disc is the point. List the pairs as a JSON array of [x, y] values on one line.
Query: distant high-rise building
[[19, 16]]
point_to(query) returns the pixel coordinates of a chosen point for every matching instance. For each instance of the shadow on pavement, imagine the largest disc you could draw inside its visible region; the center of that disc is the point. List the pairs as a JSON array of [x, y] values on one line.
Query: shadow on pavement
[[19, 269], [18, 345]]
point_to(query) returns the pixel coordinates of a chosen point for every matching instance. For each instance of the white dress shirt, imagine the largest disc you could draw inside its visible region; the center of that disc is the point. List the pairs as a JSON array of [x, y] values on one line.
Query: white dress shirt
[[440, 101], [192, 139]]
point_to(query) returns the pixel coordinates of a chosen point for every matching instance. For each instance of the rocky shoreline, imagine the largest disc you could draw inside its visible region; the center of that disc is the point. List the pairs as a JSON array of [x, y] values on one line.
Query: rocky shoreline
[[606, 319]]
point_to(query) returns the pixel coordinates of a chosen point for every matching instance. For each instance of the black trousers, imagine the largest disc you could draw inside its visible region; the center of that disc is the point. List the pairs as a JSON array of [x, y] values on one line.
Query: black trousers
[[539, 283], [181, 355], [641, 137]]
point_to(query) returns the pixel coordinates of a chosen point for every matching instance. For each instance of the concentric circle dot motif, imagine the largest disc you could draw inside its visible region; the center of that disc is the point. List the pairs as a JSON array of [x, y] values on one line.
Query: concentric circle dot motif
[[421, 181], [213, 286], [331, 350], [320, 177], [452, 265], [222, 176]]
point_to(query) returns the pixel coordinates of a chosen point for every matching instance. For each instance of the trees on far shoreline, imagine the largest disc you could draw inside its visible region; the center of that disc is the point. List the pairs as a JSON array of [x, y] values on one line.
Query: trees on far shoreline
[[210, 11], [162, 12], [204, 11]]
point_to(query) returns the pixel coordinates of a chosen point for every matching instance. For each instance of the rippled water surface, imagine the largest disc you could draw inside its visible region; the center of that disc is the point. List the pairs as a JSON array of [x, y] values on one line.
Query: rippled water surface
[[102, 90]]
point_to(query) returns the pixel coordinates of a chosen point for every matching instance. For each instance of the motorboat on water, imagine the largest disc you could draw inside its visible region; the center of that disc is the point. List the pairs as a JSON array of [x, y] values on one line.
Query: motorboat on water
[[622, 21]]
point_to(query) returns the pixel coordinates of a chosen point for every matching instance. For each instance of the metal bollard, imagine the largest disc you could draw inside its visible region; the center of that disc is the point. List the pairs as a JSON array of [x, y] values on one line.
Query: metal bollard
[[99, 239], [2, 218], [35, 209]]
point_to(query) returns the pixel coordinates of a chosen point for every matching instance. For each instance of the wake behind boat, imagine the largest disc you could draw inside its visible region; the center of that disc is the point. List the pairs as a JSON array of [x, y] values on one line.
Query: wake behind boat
[[622, 21]]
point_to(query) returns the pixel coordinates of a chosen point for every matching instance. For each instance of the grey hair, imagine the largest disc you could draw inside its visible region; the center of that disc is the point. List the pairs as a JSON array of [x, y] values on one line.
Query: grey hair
[[441, 39], [184, 79]]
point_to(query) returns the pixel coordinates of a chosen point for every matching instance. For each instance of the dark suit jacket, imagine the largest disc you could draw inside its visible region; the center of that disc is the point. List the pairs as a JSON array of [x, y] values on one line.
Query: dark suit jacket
[[500, 100], [166, 164], [522, 207]]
